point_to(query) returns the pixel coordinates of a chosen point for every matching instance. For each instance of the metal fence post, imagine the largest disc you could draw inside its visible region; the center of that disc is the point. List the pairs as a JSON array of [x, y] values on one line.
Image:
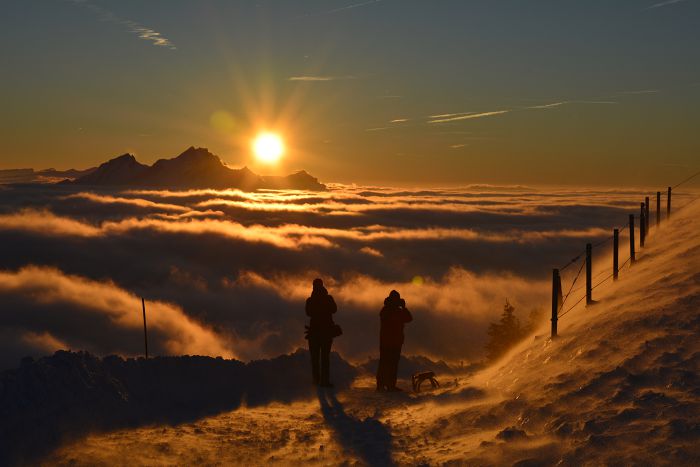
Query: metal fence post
[[646, 214], [616, 244], [589, 271], [631, 227], [642, 223], [556, 300], [145, 332]]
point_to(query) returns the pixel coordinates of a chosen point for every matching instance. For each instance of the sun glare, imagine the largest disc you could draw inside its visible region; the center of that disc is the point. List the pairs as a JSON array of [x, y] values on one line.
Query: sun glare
[[268, 147]]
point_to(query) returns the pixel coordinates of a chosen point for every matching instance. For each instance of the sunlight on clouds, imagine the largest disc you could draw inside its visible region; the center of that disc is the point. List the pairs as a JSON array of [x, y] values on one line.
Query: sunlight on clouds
[[47, 286]]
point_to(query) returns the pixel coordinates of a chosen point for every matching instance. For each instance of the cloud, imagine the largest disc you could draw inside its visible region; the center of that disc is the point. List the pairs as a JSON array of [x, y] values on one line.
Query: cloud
[[562, 103], [106, 199], [291, 236], [549, 106], [399, 120], [239, 264], [53, 310], [451, 314], [380, 128], [663, 4], [467, 116], [46, 222], [141, 31], [453, 117], [313, 78], [643, 91], [341, 9]]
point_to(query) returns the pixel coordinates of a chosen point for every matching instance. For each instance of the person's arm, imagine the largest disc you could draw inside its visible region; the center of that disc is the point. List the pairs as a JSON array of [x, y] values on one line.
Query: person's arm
[[407, 316], [332, 307], [309, 308]]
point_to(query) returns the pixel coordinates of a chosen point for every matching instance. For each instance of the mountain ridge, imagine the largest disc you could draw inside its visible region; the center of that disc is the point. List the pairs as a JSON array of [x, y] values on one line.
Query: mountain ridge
[[193, 168]]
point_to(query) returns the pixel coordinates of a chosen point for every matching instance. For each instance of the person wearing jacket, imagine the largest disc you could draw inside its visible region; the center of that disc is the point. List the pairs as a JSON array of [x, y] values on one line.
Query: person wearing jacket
[[393, 316], [320, 307]]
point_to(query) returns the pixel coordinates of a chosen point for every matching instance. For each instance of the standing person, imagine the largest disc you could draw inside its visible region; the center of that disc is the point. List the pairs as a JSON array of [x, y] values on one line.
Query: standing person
[[393, 316], [320, 307]]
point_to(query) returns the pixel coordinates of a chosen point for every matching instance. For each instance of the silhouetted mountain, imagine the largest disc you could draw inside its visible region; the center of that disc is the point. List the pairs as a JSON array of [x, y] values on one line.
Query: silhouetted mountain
[[301, 180], [118, 171], [194, 168]]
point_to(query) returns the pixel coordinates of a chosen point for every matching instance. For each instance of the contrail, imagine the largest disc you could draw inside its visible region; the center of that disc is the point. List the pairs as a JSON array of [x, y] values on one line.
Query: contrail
[[133, 27], [662, 4], [337, 10]]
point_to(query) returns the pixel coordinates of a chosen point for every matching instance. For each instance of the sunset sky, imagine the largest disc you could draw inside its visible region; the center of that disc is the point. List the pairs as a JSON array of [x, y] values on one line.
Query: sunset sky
[[385, 91]]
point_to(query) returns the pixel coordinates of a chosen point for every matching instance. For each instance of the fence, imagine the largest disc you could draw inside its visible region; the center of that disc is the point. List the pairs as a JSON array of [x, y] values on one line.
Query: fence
[[559, 299]]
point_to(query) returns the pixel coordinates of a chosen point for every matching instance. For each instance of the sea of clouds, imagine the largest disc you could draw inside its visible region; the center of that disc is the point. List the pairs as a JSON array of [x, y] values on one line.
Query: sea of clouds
[[226, 272]]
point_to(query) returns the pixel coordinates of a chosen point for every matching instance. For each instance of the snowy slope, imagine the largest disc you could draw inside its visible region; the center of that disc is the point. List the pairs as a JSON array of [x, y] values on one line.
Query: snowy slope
[[620, 386]]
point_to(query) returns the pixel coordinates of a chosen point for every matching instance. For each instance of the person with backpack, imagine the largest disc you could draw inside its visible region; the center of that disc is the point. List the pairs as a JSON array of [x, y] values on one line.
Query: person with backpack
[[321, 330]]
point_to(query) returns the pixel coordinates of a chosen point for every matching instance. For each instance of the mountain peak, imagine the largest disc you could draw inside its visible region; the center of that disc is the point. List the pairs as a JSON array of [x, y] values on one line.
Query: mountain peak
[[193, 168], [193, 153], [126, 157], [118, 171]]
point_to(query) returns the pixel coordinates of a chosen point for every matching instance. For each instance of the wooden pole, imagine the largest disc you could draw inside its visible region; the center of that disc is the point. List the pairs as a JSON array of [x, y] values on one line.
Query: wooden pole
[[556, 300], [646, 215], [616, 245], [668, 204], [145, 332], [642, 222], [658, 209], [589, 271], [632, 258]]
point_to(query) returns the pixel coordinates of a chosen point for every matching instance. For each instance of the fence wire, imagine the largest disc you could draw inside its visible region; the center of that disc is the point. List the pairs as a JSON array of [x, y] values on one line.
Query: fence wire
[[603, 242], [686, 180], [583, 263]]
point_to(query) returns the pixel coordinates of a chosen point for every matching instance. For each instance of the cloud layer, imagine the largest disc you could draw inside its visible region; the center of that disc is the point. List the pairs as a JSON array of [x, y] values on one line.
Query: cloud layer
[[226, 272]]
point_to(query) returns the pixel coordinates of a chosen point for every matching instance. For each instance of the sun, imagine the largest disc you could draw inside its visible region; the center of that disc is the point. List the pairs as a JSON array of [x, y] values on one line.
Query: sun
[[268, 147]]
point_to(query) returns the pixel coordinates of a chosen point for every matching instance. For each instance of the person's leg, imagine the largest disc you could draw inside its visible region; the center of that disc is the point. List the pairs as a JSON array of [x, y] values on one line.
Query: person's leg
[[325, 349], [315, 351], [394, 356], [381, 370]]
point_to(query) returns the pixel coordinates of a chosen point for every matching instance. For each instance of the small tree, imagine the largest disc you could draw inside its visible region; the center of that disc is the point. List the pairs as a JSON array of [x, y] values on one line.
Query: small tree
[[534, 320], [504, 334]]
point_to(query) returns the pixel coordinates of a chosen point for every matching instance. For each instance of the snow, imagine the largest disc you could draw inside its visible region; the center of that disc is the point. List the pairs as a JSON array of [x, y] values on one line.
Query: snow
[[619, 386]]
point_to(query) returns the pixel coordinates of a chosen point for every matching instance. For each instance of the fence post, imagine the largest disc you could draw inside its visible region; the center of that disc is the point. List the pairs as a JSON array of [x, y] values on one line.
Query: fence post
[[658, 209], [556, 300], [145, 332], [616, 244], [642, 232], [589, 270], [632, 258], [646, 214], [668, 204]]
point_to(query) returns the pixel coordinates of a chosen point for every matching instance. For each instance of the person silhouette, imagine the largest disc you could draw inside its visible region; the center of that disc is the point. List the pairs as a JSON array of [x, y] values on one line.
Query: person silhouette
[[320, 307], [393, 316]]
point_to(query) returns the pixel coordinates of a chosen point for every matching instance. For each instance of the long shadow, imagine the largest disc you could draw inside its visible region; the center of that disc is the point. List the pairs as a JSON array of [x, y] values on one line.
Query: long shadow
[[61, 398], [368, 438]]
